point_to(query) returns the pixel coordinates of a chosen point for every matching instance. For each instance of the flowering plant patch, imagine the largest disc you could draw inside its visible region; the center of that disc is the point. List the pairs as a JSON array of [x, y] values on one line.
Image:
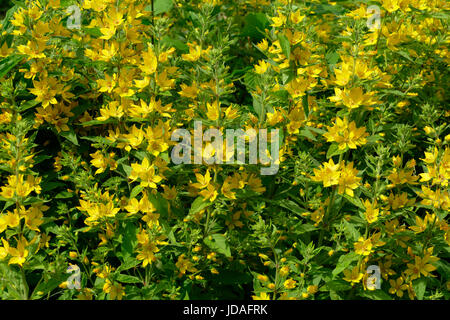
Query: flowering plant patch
[[346, 196]]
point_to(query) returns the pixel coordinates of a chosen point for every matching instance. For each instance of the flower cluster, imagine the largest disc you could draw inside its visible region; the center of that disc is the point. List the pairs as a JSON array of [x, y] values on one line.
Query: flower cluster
[[87, 114]]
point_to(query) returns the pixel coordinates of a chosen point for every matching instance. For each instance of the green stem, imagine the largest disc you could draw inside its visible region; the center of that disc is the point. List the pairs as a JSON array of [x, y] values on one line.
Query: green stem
[[330, 205], [25, 284], [277, 266], [208, 215], [153, 22]]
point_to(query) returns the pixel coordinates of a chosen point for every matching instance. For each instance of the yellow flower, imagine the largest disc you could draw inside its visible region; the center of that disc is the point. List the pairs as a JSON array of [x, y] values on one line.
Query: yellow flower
[[112, 110], [284, 271], [421, 225], [348, 181], [397, 287], [98, 161], [108, 32], [278, 21], [194, 54], [149, 61], [4, 250], [297, 17], [147, 253], [10, 219], [262, 296], [183, 264], [371, 213], [346, 134], [86, 294], [312, 289], [353, 276], [290, 283], [202, 181], [391, 5], [189, 91], [116, 290], [328, 174], [143, 109], [421, 267], [363, 247], [20, 253], [210, 193], [353, 98], [263, 45], [263, 278], [213, 112], [45, 91], [261, 67], [164, 82], [146, 173], [297, 87]]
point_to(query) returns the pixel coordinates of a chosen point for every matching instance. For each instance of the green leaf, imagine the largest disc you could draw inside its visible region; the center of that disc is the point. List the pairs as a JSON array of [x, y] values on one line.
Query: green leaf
[[31, 200], [129, 239], [258, 107], [6, 23], [334, 150], [70, 135], [285, 45], [125, 278], [250, 80], [199, 204], [355, 201], [8, 203], [292, 206], [304, 228], [177, 44], [344, 262], [98, 122], [160, 203], [338, 285], [218, 243], [27, 105], [374, 138], [308, 134], [405, 55], [229, 277], [127, 169], [350, 231], [47, 286], [334, 295], [64, 195], [375, 295], [136, 190], [316, 130], [98, 139], [160, 6], [419, 286], [40, 158], [332, 57], [8, 63], [443, 267], [113, 182], [254, 26], [95, 32]]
